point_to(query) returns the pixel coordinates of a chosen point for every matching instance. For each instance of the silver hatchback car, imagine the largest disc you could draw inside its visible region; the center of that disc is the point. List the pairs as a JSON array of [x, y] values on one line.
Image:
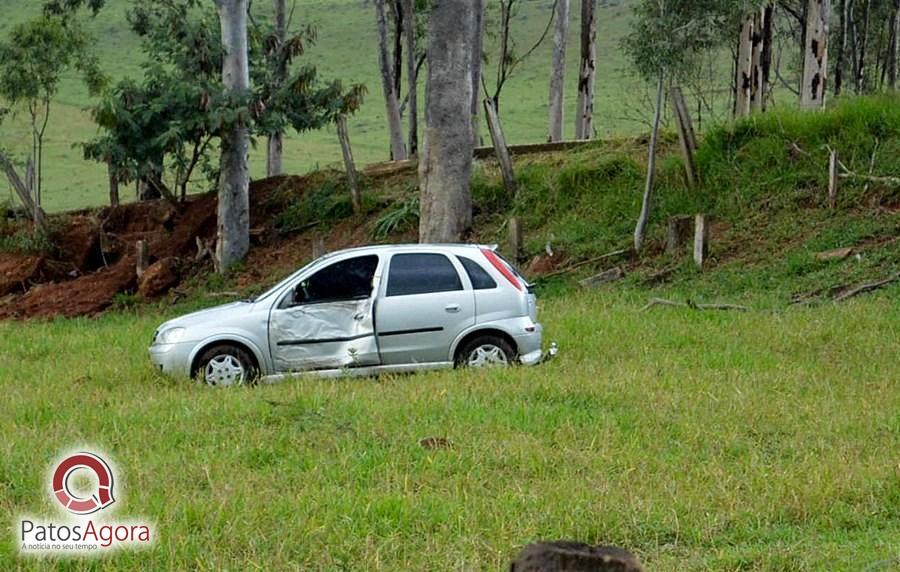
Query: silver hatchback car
[[363, 311]]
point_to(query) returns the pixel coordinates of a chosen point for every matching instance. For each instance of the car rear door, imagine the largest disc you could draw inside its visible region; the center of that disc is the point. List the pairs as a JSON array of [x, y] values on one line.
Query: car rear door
[[328, 322], [423, 307]]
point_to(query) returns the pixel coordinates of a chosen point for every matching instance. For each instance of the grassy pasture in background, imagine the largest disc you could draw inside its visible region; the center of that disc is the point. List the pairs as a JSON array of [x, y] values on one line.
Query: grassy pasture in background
[[701, 440], [346, 49]]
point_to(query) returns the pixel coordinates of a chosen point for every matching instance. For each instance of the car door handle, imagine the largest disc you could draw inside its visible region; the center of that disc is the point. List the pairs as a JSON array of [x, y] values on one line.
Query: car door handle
[[359, 317], [452, 308]]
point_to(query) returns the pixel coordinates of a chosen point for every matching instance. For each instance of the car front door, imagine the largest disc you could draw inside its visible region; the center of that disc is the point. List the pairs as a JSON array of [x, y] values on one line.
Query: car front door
[[327, 320], [423, 308]]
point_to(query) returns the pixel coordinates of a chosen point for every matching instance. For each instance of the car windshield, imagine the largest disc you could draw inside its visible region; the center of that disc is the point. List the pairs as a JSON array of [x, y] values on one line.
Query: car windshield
[[281, 283]]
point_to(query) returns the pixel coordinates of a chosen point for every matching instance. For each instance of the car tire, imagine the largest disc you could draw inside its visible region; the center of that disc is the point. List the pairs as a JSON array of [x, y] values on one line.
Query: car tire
[[486, 351], [226, 365]]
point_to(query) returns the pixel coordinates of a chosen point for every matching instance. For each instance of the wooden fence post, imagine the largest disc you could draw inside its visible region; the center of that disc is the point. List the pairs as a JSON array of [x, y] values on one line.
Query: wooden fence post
[[353, 181], [23, 191], [686, 138], [516, 247], [832, 179], [318, 246], [500, 148], [113, 185], [701, 240], [142, 257], [678, 233]]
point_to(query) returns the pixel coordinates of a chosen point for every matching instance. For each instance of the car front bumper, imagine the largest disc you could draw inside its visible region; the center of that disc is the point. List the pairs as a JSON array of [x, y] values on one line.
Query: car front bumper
[[172, 359]]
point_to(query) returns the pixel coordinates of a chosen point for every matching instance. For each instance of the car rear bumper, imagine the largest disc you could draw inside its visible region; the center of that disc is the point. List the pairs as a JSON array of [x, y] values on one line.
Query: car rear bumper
[[538, 356]]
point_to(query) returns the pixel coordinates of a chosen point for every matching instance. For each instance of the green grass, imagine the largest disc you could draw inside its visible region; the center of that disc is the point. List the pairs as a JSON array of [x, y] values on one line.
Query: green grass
[[700, 440]]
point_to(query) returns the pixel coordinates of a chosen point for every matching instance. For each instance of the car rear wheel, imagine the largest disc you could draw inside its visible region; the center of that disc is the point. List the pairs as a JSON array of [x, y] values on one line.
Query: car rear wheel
[[225, 366], [486, 351]]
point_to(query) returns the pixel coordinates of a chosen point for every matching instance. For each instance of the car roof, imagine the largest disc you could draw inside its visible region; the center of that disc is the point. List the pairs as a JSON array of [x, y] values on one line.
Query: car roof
[[410, 246]]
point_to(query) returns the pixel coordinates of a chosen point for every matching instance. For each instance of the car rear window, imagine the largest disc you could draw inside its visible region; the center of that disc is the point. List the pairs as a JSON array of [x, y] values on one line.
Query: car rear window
[[421, 274], [481, 280]]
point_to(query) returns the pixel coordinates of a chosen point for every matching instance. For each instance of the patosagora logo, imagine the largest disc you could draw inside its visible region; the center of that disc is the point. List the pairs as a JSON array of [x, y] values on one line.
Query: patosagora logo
[[101, 499], [82, 485]]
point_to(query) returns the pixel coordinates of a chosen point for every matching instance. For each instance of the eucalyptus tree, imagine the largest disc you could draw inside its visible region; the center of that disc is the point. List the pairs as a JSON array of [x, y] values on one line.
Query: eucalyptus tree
[[445, 164], [558, 71], [666, 40], [33, 58]]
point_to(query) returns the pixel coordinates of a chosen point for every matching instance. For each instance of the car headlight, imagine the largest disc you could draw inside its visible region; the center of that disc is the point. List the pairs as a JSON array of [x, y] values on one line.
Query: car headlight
[[170, 336]]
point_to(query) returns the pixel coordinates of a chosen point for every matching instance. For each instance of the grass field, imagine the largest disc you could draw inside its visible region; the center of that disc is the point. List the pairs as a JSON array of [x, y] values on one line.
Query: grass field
[[345, 50], [700, 440]]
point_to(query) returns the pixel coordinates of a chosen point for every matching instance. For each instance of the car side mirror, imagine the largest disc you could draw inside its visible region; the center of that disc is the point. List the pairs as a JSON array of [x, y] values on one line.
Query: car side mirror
[[299, 295]]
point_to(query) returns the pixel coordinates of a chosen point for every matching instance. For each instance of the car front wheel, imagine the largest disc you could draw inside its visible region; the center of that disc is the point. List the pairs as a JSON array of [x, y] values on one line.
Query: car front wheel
[[225, 366], [486, 351]]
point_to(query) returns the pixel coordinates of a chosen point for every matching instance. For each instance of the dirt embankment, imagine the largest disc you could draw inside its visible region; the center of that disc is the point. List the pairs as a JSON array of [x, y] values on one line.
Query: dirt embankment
[[95, 258]]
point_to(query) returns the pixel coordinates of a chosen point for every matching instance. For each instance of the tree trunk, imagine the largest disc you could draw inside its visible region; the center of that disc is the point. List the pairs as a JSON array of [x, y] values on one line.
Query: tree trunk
[[584, 117], [757, 88], [397, 73], [641, 228], [233, 232], [815, 55], [843, 37], [446, 162], [349, 164], [392, 106], [558, 71], [37, 213], [863, 48], [744, 67], [477, 51], [500, 148], [768, 40], [113, 185], [894, 46], [409, 29], [275, 143]]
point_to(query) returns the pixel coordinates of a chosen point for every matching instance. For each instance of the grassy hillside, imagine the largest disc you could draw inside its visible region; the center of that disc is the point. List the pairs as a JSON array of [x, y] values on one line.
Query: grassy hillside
[[345, 50]]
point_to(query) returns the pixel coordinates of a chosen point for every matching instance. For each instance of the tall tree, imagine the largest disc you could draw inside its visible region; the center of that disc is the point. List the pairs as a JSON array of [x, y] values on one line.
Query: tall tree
[[233, 236], [558, 71], [584, 112], [412, 73], [894, 45], [743, 81], [446, 162], [477, 55], [391, 101], [33, 59], [275, 142], [509, 59], [815, 54], [666, 40], [843, 42]]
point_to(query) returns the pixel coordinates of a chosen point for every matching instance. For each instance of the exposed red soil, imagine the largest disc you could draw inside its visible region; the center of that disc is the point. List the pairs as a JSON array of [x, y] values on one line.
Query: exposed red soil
[[96, 253], [96, 257]]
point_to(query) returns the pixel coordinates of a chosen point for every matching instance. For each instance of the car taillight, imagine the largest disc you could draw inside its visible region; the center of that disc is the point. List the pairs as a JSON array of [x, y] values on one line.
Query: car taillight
[[501, 267]]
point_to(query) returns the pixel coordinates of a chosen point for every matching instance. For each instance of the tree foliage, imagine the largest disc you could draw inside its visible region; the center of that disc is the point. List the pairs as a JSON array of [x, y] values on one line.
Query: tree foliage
[[33, 58], [162, 125], [671, 35]]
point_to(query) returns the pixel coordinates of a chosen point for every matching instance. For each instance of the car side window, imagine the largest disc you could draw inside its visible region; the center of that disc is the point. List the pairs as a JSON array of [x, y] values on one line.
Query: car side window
[[481, 280], [421, 274], [349, 279]]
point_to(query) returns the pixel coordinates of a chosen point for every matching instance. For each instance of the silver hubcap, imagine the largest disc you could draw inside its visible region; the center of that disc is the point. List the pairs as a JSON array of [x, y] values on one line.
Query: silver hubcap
[[487, 355], [224, 370]]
